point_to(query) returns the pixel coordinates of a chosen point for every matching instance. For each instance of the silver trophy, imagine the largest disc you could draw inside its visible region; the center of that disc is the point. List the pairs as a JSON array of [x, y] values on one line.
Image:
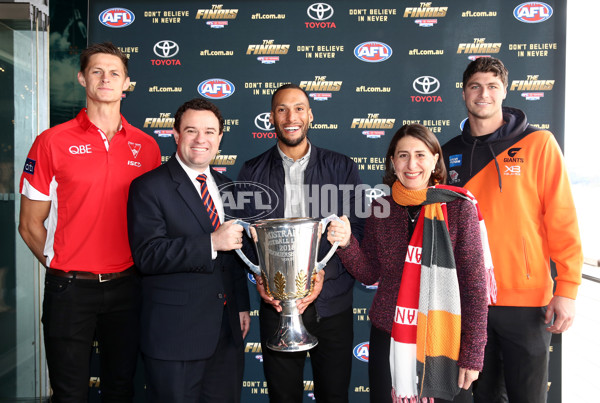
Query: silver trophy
[[287, 256]]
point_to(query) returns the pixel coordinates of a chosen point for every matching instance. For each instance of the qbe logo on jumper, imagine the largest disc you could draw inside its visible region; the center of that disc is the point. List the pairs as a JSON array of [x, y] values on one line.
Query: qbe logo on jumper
[[373, 52], [116, 17], [216, 88]]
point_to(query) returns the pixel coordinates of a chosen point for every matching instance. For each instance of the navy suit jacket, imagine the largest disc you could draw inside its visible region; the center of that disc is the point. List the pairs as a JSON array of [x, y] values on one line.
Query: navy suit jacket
[[183, 288]]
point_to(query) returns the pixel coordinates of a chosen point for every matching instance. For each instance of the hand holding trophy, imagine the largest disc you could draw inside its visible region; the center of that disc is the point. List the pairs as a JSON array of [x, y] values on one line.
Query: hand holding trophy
[[287, 255]]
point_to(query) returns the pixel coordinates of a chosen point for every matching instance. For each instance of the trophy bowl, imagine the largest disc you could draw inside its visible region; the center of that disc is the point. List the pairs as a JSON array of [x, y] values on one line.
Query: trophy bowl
[[287, 250]]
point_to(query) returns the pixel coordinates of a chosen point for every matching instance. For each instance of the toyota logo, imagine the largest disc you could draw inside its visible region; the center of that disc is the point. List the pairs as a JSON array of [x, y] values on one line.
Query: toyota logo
[[262, 121], [166, 49], [426, 85], [320, 11]]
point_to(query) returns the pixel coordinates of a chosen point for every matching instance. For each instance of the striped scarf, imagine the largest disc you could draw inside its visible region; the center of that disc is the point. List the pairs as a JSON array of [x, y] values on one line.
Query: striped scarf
[[425, 341]]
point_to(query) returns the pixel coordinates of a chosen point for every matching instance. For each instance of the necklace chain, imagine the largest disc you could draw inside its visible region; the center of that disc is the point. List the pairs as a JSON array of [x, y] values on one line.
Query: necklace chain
[[411, 217]]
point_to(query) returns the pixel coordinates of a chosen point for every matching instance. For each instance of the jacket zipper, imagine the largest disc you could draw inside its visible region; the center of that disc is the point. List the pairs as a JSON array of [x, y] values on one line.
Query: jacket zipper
[[527, 271]]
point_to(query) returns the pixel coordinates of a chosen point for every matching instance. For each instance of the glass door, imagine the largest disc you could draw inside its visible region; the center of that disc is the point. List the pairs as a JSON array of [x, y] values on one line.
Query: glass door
[[23, 114]]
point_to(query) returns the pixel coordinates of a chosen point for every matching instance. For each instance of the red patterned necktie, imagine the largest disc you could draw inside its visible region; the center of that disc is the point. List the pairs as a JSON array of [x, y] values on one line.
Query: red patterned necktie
[[211, 209]]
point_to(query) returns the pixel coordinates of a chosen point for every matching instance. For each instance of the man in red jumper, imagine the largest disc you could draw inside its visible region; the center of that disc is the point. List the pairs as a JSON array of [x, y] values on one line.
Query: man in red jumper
[[73, 218]]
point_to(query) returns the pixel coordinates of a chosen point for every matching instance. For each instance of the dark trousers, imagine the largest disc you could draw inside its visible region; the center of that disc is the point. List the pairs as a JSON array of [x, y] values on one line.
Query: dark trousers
[[516, 356], [380, 378], [331, 359], [217, 379], [73, 311]]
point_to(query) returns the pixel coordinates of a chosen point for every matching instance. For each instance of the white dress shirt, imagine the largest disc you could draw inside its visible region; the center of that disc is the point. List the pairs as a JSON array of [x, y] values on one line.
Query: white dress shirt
[[213, 190]]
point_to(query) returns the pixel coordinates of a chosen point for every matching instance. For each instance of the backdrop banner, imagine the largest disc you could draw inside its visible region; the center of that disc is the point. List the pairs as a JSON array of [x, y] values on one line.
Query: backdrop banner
[[368, 67]]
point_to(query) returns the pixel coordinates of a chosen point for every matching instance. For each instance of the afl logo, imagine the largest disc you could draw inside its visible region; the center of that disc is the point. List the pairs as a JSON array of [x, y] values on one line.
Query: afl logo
[[116, 17], [216, 88], [361, 351], [373, 52], [533, 12], [238, 195]]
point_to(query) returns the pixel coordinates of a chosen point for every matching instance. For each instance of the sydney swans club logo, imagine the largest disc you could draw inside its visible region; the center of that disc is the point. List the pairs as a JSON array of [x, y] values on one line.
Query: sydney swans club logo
[[216, 88], [135, 148], [254, 201], [373, 52], [116, 17]]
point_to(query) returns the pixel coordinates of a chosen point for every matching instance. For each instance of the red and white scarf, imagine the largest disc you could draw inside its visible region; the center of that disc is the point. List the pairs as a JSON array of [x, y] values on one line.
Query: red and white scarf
[[426, 331]]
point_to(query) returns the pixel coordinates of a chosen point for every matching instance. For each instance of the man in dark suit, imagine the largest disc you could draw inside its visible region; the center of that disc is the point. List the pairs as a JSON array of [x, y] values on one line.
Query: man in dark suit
[[195, 299]]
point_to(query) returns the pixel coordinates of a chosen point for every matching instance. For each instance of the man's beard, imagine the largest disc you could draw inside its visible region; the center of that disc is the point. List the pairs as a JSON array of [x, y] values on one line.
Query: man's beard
[[290, 143]]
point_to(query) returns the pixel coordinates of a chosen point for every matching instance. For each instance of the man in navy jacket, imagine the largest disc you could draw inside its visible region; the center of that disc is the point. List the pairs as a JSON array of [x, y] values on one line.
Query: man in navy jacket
[[309, 182], [195, 298]]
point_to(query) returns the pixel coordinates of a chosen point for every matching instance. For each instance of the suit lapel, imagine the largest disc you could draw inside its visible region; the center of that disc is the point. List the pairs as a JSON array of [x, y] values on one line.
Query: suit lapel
[[189, 194]]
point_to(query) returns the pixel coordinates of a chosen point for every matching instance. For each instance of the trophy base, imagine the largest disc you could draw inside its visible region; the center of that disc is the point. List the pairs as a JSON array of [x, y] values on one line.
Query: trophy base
[[291, 335]]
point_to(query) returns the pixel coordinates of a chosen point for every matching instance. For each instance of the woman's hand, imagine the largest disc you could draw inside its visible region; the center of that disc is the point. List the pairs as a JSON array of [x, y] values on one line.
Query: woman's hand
[[339, 231], [260, 287], [466, 377]]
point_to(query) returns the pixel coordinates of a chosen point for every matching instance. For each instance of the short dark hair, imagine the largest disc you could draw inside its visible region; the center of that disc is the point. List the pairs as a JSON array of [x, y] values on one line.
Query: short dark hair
[[104, 47], [198, 104], [422, 133], [486, 65], [289, 86]]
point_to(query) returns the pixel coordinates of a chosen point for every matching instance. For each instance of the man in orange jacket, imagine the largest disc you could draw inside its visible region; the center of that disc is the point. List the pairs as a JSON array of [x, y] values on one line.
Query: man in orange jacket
[[518, 176]]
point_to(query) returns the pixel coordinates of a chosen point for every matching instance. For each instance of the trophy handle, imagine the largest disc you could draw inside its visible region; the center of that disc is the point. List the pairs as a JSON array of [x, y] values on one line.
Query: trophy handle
[[254, 268], [324, 222]]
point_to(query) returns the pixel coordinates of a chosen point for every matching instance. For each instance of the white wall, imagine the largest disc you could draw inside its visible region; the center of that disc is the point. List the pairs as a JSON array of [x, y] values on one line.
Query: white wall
[[580, 355], [582, 129]]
